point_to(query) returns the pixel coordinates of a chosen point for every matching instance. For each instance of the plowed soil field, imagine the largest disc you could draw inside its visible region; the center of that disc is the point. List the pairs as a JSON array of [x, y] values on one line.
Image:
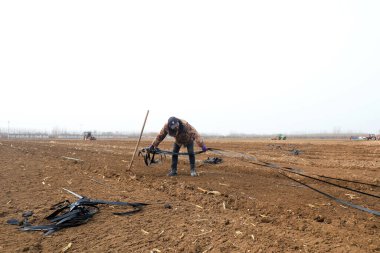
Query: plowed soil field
[[257, 210]]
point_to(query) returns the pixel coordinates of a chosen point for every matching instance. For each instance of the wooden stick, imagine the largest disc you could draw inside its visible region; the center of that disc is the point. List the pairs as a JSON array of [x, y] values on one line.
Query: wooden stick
[[138, 142]]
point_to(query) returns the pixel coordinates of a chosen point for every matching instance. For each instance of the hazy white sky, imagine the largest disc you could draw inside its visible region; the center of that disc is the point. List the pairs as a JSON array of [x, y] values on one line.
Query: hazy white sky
[[224, 66]]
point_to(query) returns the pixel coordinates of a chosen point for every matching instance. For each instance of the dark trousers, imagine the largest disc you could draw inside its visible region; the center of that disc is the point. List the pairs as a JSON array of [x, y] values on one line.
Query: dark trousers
[[190, 150]]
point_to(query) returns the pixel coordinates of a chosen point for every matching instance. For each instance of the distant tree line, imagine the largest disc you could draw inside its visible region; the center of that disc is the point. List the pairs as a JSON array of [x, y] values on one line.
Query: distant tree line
[[57, 133]]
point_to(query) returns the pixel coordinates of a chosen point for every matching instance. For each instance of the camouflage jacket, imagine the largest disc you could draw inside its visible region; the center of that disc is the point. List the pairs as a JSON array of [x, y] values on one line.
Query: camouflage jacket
[[183, 136]]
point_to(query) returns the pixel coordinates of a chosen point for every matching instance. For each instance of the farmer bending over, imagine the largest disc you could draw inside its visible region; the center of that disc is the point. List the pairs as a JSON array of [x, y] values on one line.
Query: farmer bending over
[[184, 134]]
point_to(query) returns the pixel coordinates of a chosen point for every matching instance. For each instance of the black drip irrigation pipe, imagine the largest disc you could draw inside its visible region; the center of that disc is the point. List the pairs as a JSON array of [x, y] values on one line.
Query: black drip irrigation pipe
[[282, 169], [340, 186], [291, 170], [68, 214], [347, 203], [362, 208], [351, 181]]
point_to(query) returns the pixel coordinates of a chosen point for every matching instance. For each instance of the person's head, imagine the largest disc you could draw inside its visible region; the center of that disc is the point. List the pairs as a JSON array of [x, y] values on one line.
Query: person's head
[[173, 123]]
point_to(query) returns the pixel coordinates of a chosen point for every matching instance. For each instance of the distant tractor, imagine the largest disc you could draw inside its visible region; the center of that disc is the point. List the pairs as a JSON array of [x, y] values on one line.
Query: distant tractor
[[88, 136], [280, 137], [371, 137]]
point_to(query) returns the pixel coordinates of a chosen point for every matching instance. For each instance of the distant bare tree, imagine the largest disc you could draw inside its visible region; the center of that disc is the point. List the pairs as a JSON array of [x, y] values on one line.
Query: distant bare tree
[[337, 130]]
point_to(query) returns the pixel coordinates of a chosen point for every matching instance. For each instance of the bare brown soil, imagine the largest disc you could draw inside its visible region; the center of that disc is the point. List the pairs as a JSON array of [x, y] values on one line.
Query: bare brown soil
[[258, 210]]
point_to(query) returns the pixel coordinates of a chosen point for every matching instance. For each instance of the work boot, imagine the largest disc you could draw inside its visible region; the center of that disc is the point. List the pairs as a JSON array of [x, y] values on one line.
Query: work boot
[[172, 173], [193, 173]]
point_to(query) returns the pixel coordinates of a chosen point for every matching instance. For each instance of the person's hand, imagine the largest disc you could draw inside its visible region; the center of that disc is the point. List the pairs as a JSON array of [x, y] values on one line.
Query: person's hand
[[151, 148], [204, 148]]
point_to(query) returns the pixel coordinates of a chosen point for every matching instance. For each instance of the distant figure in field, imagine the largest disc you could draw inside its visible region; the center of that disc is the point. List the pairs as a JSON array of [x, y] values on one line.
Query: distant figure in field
[[185, 135]]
